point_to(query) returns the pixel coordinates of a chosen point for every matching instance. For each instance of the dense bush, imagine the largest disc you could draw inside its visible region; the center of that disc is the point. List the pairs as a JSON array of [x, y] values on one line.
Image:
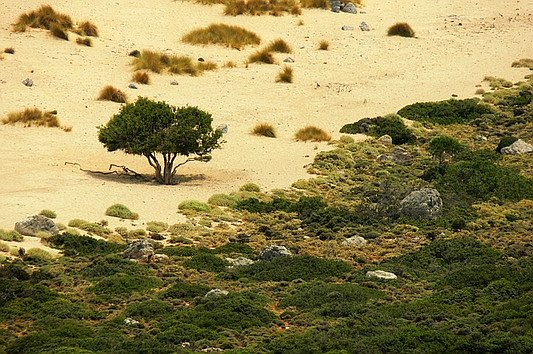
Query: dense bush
[[83, 245], [185, 291], [121, 211], [234, 247], [123, 285], [110, 265], [149, 310], [206, 261], [293, 267], [388, 125], [446, 112], [184, 251]]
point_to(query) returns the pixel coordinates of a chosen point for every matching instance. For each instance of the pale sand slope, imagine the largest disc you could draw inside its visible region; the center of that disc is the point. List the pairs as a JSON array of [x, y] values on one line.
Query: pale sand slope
[[363, 74]]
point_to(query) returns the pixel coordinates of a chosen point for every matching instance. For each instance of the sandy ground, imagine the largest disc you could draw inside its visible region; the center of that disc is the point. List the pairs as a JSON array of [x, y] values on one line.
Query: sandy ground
[[363, 74]]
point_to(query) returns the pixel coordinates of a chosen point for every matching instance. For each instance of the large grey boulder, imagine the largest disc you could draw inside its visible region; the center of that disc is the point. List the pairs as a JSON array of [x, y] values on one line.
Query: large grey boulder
[[273, 251], [356, 241], [33, 224], [140, 249], [517, 148], [380, 274], [425, 203], [349, 8]]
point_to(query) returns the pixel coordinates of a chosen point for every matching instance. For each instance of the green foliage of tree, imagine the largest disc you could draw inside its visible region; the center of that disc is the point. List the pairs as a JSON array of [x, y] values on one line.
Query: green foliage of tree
[[443, 145], [158, 131]]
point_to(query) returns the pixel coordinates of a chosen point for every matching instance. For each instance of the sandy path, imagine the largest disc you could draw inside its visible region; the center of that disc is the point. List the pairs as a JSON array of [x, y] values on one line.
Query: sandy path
[[363, 74]]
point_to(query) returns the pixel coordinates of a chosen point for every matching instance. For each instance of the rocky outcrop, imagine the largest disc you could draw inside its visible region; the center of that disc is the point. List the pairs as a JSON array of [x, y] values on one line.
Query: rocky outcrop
[[140, 249], [356, 241], [517, 148], [34, 224], [270, 252], [381, 274], [425, 203], [216, 293]]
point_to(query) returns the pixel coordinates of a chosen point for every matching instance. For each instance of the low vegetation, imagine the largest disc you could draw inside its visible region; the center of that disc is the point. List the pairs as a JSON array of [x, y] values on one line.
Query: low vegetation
[[323, 45], [262, 56], [497, 82], [86, 29], [261, 7], [48, 213], [10, 235], [401, 29], [391, 125], [173, 64], [32, 117], [141, 77], [121, 211], [523, 63], [279, 46], [312, 133], [285, 75], [110, 93], [264, 129], [84, 41], [221, 34]]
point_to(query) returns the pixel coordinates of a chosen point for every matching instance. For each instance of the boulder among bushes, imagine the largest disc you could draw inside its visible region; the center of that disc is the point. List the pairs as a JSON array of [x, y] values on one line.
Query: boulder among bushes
[[34, 224]]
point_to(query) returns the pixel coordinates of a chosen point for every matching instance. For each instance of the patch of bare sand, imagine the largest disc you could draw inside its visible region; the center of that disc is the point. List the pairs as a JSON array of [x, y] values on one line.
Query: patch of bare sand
[[363, 74]]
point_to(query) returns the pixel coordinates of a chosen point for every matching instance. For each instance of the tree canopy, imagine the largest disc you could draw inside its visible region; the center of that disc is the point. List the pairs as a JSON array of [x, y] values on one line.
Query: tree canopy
[[161, 132]]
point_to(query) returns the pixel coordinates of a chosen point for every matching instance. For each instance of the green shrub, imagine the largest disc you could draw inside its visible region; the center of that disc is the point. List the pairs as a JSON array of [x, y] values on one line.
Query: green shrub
[[443, 145], [4, 247], [505, 141], [285, 268], [93, 228], [83, 245], [149, 310], [48, 213], [156, 226], [250, 187], [234, 248], [183, 251], [10, 235], [446, 112], [206, 261], [222, 200], [194, 206], [222, 34], [184, 291], [391, 125], [38, 254], [121, 211], [137, 233], [123, 285], [111, 265]]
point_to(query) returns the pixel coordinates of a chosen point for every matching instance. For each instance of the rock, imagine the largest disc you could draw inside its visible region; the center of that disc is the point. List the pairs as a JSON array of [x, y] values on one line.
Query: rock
[[335, 5], [201, 59], [132, 323], [272, 251], [347, 28], [33, 224], [422, 204], [518, 147], [385, 139], [349, 8], [132, 86], [216, 293], [354, 241], [27, 82], [161, 258], [397, 155], [288, 60], [364, 27], [223, 128], [140, 249], [174, 82], [381, 274], [239, 262]]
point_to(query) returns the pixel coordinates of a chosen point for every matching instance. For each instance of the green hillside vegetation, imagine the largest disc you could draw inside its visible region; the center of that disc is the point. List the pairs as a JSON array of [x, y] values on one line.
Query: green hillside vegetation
[[464, 277]]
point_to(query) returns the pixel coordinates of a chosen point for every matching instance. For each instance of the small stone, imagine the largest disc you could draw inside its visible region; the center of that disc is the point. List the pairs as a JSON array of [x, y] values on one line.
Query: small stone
[[364, 27], [385, 139], [288, 60], [354, 241], [132, 323], [223, 128], [381, 274], [174, 82], [349, 8], [216, 293], [335, 5], [201, 59], [27, 82], [132, 86], [161, 258], [347, 28]]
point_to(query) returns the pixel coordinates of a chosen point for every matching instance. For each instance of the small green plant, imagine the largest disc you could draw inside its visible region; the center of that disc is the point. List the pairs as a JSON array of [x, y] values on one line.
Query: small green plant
[[312, 133], [264, 129], [279, 46], [195, 206], [323, 45], [523, 63], [262, 56], [121, 211], [497, 82], [222, 200], [38, 254], [250, 187], [137, 233], [207, 262], [442, 146], [32, 117], [4, 247], [285, 75], [222, 34], [84, 41], [401, 29], [110, 93], [141, 77], [184, 291], [48, 213], [124, 285], [10, 235], [90, 227], [156, 226]]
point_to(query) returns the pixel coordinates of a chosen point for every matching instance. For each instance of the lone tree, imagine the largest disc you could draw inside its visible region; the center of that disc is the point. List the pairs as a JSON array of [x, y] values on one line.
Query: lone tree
[[158, 131]]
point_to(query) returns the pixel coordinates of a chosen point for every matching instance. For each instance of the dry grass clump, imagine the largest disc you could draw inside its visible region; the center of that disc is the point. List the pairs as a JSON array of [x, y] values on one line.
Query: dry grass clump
[[262, 56], [497, 82], [44, 17], [401, 29], [279, 46], [175, 64], [109, 93], [141, 77], [222, 34], [323, 45], [285, 75], [523, 63], [87, 29], [264, 129], [59, 32], [262, 7], [9, 50], [229, 64], [32, 117], [312, 133], [480, 91], [316, 4], [84, 41]]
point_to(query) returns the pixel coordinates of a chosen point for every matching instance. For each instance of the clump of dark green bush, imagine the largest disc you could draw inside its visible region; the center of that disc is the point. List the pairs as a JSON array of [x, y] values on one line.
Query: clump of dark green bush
[[149, 310], [446, 112], [113, 264], [83, 245], [123, 285], [286, 268], [207, 262], [184, 291], [388, 125], [234, 248], [183, 251], [505, 142]]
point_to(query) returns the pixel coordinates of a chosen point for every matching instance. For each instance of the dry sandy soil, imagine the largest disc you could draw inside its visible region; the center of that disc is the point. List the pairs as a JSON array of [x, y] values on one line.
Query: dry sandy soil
[[363, 74]]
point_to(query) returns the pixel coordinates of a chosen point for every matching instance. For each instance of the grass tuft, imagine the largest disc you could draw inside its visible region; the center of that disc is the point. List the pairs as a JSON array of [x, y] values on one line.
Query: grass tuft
[[141, 77], [523, 63], [48, 213], [194, 205], [38, 254], [230, 64], [401, 29], [279, 46], [44, 17], [497, 82], [87, 29], [121, 211], [323, 45], [175, 64], [262, 7], [312, 133], [285, 75], [315, 4], [84, 41], [32, 117], [109, 93], [262, 56], [222, 34], [264, 129], [10, 235], [59, 32]]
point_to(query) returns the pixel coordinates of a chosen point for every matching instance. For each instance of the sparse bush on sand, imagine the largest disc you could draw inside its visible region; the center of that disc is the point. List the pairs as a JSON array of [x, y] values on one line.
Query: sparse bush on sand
[[401, 29], [497, 82], [230, 64], [264, 129], [84, 41], [312, 133], [316, 4], [44, 17], [523, 63], [262, 56], [262, 7], [109, 93], [285, 75], [323, 45], [48, 213], [194, 205], [156, 226], [10, 235], [87, 29], [121, 211], [279, 46], [59, 32], [141, 77], [250, 187], [32, 117], [175, 64], [222, 34]]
